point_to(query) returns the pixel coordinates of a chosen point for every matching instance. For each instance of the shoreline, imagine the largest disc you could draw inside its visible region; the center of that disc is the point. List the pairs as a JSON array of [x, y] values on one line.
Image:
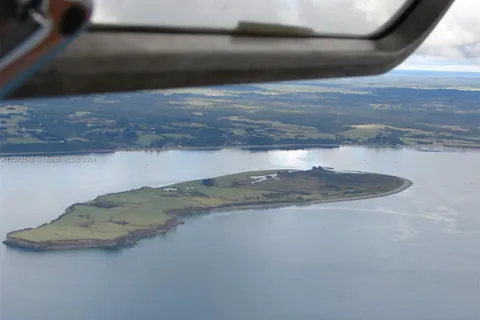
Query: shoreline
[[270, 147], [445, 148], [133, 237], [78, 244]]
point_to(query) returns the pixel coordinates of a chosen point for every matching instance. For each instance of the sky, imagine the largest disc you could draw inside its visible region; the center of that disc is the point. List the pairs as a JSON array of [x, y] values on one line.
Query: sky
[[453, 46]]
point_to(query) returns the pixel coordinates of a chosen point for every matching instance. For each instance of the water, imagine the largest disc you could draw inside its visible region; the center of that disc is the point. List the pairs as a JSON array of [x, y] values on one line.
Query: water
[[411, 255]]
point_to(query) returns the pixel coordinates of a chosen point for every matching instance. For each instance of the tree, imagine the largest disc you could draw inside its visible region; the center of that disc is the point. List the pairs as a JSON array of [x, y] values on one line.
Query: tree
[[210, 182]]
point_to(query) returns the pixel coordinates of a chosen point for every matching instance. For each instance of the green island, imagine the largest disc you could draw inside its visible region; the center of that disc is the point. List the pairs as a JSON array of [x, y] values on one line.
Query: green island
[[120, 219]]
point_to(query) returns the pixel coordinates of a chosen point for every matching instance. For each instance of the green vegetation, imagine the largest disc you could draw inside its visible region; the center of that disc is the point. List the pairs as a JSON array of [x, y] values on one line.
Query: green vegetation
[[388, 110], [106, 219]]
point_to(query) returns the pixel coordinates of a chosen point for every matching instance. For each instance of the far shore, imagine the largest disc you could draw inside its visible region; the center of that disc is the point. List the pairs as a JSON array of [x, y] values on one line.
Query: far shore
[[96, 151], [267, 147], [99, 151]]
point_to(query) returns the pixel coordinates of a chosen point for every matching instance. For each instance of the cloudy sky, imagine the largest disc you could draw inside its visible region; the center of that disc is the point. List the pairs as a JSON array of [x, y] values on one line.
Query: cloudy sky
[[453, 46], [455, 43]]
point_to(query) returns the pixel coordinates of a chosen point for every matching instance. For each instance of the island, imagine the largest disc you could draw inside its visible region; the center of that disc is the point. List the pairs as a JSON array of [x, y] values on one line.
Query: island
[[120, 219]]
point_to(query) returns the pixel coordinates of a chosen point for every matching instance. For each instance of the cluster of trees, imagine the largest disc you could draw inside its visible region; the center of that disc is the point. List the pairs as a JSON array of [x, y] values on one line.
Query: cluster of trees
[[387, 138], [210, 182]]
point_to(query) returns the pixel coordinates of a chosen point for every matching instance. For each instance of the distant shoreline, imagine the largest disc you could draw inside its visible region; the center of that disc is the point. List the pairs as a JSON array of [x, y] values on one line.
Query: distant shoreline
[[133, 237], [267, 147], [270, 147]]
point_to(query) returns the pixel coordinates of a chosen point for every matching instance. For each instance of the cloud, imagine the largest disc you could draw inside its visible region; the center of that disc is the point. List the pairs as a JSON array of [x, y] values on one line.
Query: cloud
[[328, 16], [455, 41], [457, 36], [433, 63]]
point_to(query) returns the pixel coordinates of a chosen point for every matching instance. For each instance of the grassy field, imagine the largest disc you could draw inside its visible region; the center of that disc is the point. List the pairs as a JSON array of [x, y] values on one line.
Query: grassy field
[[114, 215]]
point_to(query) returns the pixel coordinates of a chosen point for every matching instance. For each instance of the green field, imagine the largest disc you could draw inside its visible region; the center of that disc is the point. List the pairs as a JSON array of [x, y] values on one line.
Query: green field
[[114, 215]]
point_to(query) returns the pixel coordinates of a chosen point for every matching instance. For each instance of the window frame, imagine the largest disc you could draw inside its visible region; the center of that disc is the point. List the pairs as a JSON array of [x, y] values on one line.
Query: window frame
[[131, 58]]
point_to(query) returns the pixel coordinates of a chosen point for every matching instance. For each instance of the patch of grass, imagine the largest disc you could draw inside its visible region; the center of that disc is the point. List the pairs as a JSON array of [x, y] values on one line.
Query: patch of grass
[[54, 232], [367, 131], [145, 139], [280, 130], [177, 136], [361, 133], [10, 109], [298, 88], [81, 113], [188, 124], [231, 194], [79, 139], [23, 139]]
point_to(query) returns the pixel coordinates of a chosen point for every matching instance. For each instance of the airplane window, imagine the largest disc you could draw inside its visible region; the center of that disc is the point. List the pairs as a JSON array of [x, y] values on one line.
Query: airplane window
[[348, 17]]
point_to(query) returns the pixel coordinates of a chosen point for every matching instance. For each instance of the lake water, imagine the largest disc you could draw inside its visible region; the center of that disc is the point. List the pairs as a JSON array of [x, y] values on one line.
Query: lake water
[[413, 255]]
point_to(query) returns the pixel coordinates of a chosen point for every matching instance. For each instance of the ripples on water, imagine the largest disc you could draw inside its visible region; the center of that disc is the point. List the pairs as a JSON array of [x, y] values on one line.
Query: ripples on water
[[413, 254]]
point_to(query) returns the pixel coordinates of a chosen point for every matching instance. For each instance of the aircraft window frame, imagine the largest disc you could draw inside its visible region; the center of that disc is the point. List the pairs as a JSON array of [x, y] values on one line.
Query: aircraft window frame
[[129, 58]]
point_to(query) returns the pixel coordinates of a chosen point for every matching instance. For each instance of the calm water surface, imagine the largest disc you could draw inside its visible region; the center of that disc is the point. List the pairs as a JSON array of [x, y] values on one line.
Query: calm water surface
[[413, 255]]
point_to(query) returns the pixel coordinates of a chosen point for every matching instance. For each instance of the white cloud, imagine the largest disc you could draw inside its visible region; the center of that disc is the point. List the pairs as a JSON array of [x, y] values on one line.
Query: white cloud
[[419, 62], [454, 42]]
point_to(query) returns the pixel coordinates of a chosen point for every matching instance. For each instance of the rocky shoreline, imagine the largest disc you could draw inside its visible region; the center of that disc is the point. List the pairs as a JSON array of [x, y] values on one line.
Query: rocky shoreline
[[134, 236], [120, 242]]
